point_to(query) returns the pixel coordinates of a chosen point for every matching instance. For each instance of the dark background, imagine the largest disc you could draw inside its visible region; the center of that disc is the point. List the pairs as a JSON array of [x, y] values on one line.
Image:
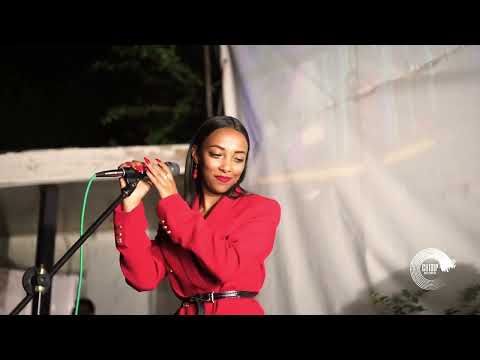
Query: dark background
[[77, 95]]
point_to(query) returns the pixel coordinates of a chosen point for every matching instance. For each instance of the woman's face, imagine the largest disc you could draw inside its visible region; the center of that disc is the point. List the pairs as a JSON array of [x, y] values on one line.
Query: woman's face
[[221, 159]]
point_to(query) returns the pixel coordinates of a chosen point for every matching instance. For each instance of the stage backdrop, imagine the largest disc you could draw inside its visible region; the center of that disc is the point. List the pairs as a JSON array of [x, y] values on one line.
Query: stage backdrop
[[373, 153]]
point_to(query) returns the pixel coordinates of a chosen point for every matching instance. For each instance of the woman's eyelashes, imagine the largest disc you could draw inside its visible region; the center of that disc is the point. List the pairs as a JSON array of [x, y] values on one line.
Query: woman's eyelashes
[[217, 156]]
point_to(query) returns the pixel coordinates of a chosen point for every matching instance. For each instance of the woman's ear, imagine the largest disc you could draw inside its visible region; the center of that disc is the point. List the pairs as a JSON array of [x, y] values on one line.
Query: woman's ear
[[194, 154]]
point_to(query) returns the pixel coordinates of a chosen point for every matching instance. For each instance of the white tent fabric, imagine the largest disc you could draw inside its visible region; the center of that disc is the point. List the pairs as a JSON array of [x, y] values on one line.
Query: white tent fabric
[[373, 153]]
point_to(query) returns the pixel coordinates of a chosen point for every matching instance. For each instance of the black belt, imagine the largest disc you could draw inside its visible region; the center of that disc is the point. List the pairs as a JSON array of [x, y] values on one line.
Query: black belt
[[212, 296]]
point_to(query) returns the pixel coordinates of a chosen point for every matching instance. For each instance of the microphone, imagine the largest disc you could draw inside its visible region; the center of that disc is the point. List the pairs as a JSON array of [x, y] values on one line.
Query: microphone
[[134, 174]]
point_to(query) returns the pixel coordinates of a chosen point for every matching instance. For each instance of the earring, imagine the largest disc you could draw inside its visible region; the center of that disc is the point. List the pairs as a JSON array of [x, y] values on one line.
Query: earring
[[195, 172]]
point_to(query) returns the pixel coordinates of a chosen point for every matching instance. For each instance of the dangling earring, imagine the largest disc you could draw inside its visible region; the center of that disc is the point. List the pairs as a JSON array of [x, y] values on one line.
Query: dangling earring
[[195, 171]]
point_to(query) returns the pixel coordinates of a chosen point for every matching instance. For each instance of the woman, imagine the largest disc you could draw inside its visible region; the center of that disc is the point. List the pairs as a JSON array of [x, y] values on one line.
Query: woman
[[211, 244]]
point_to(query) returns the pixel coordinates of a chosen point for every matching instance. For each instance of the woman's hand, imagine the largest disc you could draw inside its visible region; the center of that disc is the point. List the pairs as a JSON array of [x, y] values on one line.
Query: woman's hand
[[161, 177], [143, 187]]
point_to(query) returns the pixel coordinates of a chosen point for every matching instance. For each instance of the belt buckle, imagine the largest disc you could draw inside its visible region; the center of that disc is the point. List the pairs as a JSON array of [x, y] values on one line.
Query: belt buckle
[[210, 297]]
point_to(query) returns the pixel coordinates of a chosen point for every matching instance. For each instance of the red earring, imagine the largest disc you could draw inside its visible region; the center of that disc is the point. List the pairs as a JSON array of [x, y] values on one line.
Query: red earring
[[195, 172]]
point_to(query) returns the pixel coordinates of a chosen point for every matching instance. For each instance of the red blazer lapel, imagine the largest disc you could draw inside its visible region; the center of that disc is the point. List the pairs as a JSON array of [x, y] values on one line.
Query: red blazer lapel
[[220, 212]]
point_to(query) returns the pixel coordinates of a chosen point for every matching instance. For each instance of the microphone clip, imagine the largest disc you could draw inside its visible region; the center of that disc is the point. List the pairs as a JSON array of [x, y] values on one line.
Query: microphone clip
[[132, 182]]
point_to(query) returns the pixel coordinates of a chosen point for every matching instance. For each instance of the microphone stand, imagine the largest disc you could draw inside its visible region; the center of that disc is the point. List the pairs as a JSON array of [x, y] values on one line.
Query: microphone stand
[[36, 280]]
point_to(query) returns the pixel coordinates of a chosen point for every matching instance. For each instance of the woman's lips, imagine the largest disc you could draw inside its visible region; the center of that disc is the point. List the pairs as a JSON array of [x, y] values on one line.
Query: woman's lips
[[223, 179]]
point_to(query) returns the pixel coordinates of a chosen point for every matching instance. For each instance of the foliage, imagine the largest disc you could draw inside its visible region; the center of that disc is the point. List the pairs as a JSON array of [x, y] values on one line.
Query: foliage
[[400, 304], [157, 93], [408, 303], [56, 96]]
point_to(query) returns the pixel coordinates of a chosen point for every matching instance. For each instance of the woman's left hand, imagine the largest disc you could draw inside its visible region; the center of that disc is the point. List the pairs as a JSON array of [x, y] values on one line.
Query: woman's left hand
[[161, 177]]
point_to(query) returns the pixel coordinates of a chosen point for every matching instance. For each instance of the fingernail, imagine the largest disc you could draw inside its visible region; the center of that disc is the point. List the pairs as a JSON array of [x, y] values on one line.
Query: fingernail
[[146, 160]]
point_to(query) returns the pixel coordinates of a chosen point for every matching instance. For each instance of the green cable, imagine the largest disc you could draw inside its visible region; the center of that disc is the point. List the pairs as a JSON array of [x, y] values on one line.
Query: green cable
[[82, 218]]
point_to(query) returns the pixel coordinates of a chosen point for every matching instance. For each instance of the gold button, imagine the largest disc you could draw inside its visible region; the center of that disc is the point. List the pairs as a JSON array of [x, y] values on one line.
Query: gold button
[[169, 232], [163, 221]]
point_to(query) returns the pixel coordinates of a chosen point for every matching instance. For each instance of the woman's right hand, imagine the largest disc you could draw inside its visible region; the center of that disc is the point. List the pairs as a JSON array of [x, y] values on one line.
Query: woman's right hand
[[132, 201]]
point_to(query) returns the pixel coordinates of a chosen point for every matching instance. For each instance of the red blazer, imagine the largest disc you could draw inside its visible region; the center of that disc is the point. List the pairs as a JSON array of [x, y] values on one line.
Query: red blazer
[[224, 251]]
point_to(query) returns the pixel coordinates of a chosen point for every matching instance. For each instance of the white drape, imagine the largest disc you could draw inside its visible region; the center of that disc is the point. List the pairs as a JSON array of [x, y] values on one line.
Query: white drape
[[373, 153]]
